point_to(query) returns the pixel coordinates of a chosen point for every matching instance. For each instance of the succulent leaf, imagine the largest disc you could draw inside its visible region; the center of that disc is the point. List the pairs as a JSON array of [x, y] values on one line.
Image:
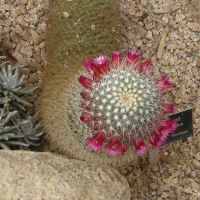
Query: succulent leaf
[[3, 145], [16, 143]]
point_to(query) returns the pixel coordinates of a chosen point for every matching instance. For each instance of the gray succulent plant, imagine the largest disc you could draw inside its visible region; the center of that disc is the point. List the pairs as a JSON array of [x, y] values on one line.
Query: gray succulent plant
[[16, 130], [11, 88], [30, 131], [7, 130]]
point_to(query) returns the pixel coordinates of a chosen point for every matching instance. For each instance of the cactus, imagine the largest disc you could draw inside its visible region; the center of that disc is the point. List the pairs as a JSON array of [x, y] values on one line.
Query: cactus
[[123, 104], [70, 40], [115, 111]]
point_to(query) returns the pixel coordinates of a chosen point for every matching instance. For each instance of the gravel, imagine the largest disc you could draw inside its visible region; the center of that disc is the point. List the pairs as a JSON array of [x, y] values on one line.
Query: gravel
[[23, 27]]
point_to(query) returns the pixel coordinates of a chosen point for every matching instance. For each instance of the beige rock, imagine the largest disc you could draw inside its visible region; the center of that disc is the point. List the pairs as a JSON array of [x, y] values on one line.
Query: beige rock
[[34, 19], [194, 26], [149, 35], [179, 17], [25, 35], [148, 26], [196, 163], [33, 78], [144, 2], [165, 19], [182, 46], [20, 21], [30, 4], [14, 37], [36, 38], [36, 176], [18, 29], [22, 2], [33, 11], [197, 156], [172, 45]]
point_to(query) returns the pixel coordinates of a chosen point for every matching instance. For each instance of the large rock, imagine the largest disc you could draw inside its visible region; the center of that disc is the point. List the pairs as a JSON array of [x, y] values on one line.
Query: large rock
[[45, 176]]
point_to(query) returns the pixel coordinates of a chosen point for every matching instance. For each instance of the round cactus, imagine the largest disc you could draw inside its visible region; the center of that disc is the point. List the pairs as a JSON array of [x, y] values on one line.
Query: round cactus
[[124, 105], [115, 111]]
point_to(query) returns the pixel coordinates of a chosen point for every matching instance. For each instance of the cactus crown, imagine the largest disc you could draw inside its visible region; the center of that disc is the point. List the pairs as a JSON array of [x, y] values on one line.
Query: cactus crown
[[123, 105]]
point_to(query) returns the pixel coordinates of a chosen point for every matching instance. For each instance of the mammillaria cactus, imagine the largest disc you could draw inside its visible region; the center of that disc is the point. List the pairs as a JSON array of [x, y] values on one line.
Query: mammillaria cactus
[[123, 104], [116, 110]]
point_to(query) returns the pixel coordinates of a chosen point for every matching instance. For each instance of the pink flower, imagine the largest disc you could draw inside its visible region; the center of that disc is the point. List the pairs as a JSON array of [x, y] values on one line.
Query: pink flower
[[95, 142], [132, 56], [161, 133], [143, 66], [102, 63], [169, 108], [86, 117], [85, 95], [124, 147], [114, 146], [146, 65], [164, 82], [170, 125], [156, 142], [116, 58], [140, 147], [85, 82], [139, 66], [89, 65]]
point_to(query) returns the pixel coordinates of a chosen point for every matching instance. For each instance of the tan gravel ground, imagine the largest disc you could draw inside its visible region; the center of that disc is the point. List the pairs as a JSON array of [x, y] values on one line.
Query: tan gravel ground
[[23, 26]]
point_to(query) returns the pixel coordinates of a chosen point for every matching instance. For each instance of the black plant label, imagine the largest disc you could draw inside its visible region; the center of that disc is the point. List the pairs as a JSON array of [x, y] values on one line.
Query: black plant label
[[184, 126]]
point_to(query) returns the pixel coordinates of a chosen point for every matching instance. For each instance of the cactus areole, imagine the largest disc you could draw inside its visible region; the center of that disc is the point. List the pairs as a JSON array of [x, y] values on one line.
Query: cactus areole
[[124, 105]]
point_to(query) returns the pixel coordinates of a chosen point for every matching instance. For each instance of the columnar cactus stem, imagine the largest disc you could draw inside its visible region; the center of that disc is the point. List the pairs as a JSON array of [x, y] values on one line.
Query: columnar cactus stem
[[110, 112], [123, 105]]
